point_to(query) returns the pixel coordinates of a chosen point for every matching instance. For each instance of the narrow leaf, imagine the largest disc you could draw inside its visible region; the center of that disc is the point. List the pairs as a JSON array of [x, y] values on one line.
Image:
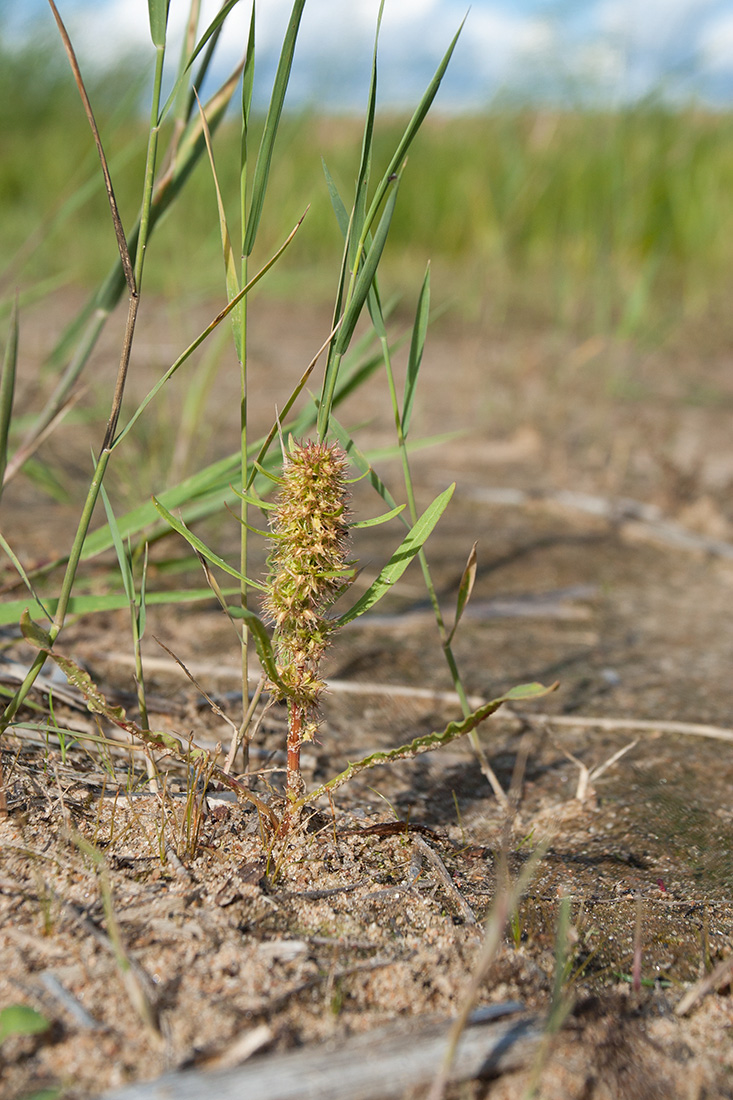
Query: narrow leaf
[[263, 645], [158, 13], [197, 544], [7, 388], [21, 1020], [11, 611], [230, 268], [417, 344], [33, 633], [211, 30], [412, 128], [272, 122], [430, 741], [122, 558], [379, 519], [38, 606], [342, 214], [401, 558], [366, 276], [465, 588]]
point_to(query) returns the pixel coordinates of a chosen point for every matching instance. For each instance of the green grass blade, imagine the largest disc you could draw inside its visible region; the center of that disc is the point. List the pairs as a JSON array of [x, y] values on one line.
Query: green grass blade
[[197, 544], [158, 15], [431, 741], [411, 130], [417, 345], [465, 589], [230, 267], [339, 209], [366, 276], [377, 520], [267, 144], [26, 581], [401, 558], [263, 645], [12, 610], [212, 29], [362, 463], [122, 558], [7, 389]]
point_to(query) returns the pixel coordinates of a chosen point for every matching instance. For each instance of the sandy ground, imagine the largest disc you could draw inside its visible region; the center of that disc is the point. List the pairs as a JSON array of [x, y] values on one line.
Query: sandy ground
[[596, 477]]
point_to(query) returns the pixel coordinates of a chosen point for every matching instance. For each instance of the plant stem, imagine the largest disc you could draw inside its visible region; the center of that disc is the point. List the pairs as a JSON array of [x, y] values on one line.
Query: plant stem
[[294, 787]]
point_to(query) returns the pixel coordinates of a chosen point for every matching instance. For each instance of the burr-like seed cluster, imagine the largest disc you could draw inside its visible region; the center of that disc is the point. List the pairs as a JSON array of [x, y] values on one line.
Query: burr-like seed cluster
[[308, 566]]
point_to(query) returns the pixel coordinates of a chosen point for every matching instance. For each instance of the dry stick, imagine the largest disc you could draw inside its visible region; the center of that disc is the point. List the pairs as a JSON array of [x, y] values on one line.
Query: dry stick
[[691, 729], [432, 857], [718, 977], [383, 1064]]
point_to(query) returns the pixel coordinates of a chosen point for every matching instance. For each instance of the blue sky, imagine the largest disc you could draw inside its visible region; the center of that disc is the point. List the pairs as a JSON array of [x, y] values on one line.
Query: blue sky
[[576, 50]]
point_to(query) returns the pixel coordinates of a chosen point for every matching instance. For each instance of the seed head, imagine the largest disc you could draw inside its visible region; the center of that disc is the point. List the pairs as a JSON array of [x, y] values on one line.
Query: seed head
[[308, 566]]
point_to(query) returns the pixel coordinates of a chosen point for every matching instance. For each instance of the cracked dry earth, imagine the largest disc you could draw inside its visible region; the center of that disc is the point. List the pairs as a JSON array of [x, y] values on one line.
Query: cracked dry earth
[[152, 950]]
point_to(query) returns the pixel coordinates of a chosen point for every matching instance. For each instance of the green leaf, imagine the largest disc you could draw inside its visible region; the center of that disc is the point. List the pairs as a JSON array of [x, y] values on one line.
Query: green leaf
[[342, 214], [38, 608], [379, 519], [11, 610], [200, 546], [158, 13], [362, 463], [7, 388], [32, 632], [256, 502], [366, 276], [230, 269], [122, 557], [465, 588], [267, 144], [412, 128], [21, 1020], [401, 558], [263, 645], [417, 345], [211, 31], [430, 741]]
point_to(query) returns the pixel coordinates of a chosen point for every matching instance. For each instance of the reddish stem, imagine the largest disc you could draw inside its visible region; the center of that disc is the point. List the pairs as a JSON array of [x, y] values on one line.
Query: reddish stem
[[294, 785]]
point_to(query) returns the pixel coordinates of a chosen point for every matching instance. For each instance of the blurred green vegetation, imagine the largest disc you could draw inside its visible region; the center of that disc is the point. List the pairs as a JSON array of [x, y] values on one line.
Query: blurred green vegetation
[[614, 222]]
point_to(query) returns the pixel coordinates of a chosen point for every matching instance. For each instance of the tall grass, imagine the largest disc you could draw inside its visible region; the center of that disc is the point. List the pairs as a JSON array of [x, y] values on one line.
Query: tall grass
[[311, 524], [604, 221]]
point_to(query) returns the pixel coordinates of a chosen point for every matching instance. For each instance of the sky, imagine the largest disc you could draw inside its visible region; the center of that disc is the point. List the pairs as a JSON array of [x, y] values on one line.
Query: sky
[[570, 51]]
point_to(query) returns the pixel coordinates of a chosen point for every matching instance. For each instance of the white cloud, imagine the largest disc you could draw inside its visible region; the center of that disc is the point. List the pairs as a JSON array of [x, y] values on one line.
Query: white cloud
[[716, 44], [618, 48]]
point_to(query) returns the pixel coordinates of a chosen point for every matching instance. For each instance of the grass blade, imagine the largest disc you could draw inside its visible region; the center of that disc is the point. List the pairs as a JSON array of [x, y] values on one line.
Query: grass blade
[[232, 279], [417, 345], [197, 544], [431, 741], [267, 144], [377, 520], [366, 275], [7, 388], [158, 15], [412, 128], [12, 610], [465, 588], [401, 558], [212, 29]]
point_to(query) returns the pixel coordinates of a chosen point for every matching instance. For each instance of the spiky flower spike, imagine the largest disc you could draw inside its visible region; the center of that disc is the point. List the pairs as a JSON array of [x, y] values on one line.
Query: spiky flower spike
[[308, 572]]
